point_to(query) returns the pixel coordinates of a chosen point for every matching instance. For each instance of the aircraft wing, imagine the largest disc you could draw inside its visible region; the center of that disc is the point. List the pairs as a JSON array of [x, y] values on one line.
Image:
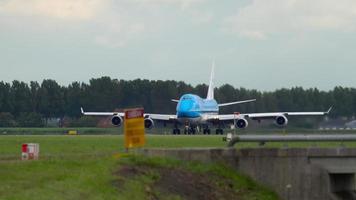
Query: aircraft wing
[[276, 114], [159, 117], [236, 102], [102, 113], [257, 116]]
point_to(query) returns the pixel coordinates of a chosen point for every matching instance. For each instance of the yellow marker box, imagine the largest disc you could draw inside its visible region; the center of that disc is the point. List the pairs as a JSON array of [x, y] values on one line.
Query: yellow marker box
[[72, 132], [134, 128]]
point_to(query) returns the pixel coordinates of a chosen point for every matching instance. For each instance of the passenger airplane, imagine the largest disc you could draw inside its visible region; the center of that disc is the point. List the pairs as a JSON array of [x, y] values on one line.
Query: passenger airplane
[[194, 111]]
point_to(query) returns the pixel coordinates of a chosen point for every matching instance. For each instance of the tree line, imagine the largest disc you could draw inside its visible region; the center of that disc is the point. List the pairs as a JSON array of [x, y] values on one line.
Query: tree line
[[34, 103]]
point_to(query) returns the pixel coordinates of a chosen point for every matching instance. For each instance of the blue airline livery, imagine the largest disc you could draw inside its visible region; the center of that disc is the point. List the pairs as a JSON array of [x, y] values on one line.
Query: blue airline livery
[[193, 112]]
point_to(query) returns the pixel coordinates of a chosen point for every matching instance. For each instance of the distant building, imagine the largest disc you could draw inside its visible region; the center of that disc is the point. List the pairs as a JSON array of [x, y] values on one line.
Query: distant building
[[333, 124], [351, 124]]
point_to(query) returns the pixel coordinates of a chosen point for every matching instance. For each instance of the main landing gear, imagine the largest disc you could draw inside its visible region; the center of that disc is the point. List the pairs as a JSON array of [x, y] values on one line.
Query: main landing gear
[[206, 131], [176, 131], [219, 131], [193, 131], [190, 130]]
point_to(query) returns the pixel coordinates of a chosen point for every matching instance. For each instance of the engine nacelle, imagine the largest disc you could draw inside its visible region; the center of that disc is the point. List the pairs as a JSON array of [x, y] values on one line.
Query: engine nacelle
[[241, 123], [149, 123], [116, 120], [281, 120]]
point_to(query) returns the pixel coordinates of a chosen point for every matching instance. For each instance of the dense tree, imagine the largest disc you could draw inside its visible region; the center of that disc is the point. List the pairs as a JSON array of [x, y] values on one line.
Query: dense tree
[[34, 96], [6, 105], [20, 101], [84, 121], [72, 99], [30, 119], [7, 120], [51, 99], [102, 94], [20, 96]]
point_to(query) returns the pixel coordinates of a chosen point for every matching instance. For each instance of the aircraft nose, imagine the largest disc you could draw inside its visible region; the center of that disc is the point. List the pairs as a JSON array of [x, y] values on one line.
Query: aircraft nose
[[185, 106]]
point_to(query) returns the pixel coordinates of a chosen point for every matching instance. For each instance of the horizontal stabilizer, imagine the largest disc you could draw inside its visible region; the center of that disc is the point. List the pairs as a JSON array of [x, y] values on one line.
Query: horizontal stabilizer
[[99, 113], [236, 102], [327, 112]]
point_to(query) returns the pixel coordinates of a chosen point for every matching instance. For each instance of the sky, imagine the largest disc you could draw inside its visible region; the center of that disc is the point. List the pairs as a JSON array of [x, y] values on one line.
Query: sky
[[256, 44]]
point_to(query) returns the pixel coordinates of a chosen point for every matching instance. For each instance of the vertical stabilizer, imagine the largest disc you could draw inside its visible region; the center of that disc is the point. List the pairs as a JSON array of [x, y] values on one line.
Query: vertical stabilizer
[[210, 94]]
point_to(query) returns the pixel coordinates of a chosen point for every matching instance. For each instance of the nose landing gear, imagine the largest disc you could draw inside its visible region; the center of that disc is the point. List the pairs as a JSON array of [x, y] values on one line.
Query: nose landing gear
[[190, 130]]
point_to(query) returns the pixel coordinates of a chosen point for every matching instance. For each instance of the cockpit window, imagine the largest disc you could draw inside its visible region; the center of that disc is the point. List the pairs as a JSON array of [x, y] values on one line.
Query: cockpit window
[[187, 98]]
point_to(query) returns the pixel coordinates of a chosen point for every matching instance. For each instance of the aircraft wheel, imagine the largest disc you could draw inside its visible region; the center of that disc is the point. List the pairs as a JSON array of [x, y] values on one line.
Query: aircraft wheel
[[206, 131], [176, 131], [219, 131]]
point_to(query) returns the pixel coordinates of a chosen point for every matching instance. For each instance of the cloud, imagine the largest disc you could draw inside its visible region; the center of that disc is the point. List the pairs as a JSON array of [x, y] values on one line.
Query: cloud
[[183, 4], [118, 35], [109, 23], [263, 18], [61, 9]]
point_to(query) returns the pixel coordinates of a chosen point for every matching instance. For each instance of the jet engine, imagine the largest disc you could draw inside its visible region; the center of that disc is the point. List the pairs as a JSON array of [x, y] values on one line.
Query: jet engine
[[281, 120], [241, 123], [116, 120], [149, 123]]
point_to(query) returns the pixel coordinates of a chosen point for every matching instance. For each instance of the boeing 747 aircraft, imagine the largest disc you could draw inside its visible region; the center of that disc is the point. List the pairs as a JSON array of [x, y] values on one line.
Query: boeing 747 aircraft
[[194, 111]]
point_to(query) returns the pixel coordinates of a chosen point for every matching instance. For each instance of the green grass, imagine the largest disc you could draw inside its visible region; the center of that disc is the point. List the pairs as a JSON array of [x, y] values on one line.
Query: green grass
[[54, 145], [80, 178], [72, 167], [59, 131], [81, 167], [168, 131], [239, 182], [72, 146]]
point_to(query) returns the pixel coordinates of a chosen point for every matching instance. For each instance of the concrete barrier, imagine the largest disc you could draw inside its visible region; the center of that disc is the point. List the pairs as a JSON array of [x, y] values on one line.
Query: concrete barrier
[[292, 138], [294, 173]]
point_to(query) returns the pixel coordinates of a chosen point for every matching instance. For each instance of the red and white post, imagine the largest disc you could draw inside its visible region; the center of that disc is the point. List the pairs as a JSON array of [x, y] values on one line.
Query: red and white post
[[30, 151]]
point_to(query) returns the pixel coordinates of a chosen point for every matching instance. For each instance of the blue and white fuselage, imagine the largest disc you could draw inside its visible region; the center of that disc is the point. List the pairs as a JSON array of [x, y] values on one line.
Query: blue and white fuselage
[[193, 109]]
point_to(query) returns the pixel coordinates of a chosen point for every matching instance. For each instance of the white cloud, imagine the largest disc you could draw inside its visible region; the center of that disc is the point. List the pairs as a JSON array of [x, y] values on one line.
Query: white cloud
[[118, 35], [108, 22], [61, 9], [184, 4], [262, 18], [201, 17]]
